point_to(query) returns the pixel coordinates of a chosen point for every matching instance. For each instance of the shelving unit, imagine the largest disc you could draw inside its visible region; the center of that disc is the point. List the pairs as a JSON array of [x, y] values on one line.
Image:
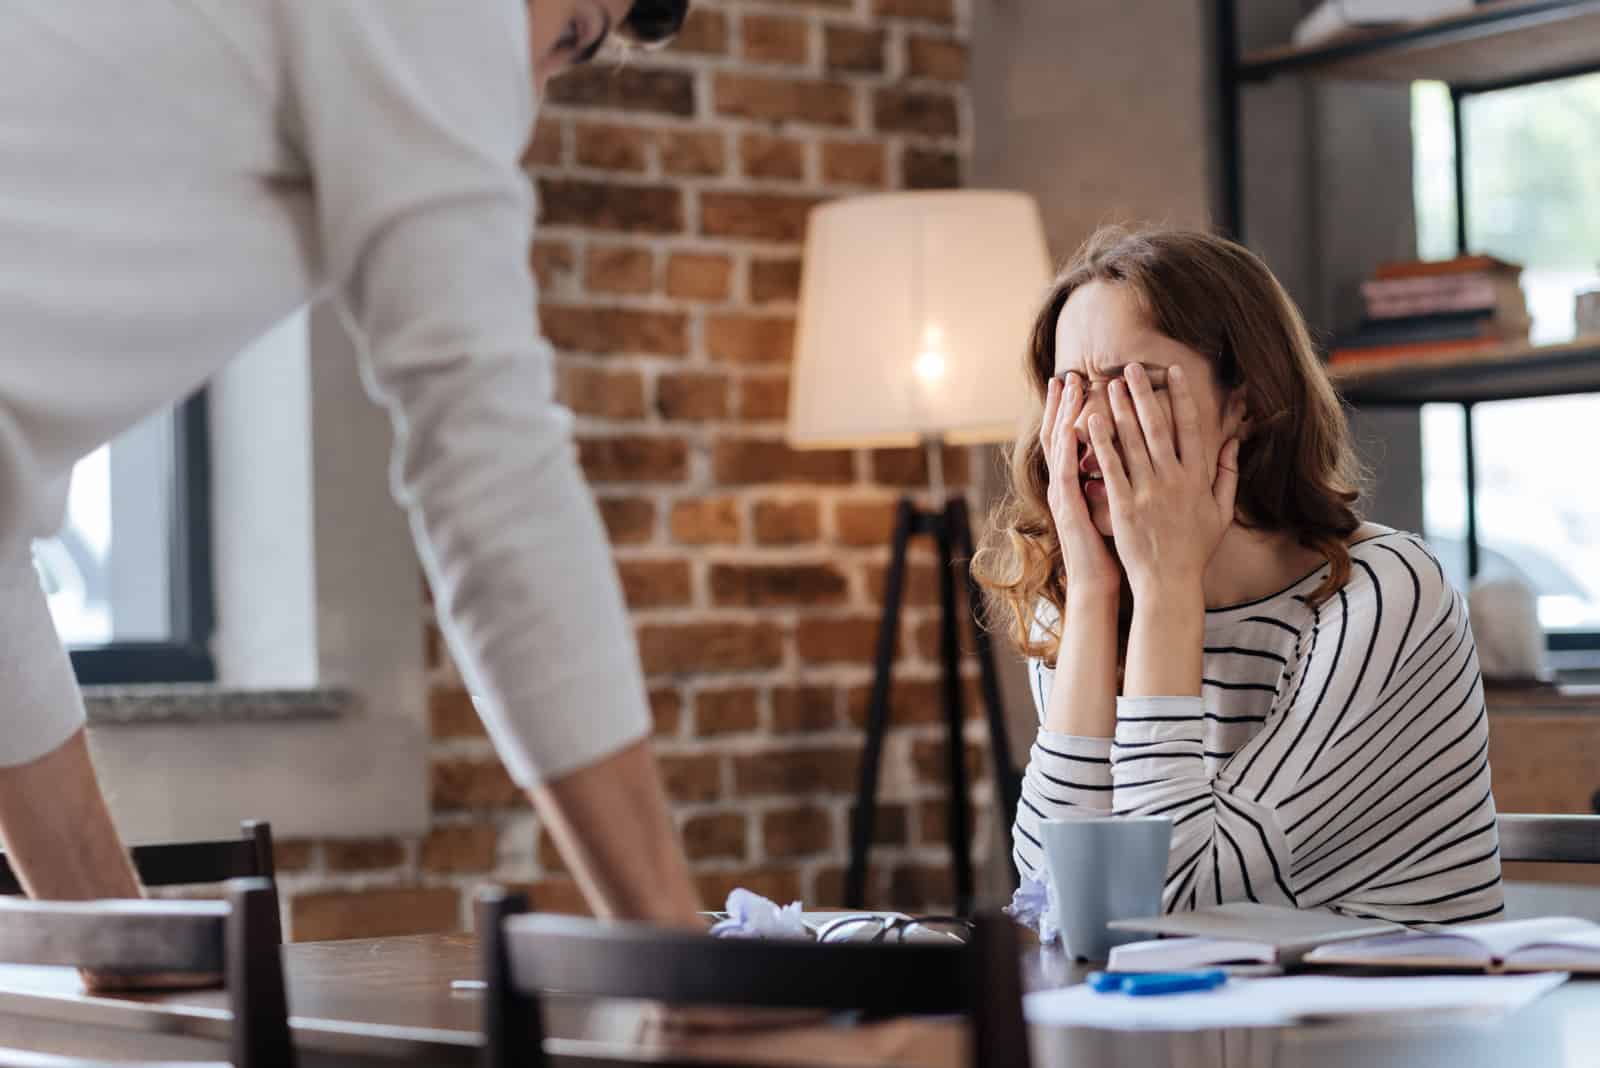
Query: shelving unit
[[1498, 45]]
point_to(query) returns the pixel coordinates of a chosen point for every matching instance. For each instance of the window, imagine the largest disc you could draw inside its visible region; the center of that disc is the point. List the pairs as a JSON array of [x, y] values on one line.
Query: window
[[1532, 197], [128, 575]]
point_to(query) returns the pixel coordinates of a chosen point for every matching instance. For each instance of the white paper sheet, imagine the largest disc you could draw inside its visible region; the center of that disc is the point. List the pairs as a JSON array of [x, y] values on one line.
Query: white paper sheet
[[1290, 1001]]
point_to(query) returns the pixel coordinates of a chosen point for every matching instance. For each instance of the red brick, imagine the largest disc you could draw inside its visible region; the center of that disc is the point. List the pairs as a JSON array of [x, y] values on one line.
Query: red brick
[[933, 822], [796, 772], [553, 264], [911, 701], [609, 147], [607, 331], [927, 761], [921, 887], [764, 156], [695, 276], [921, 584], [863, 523], [693, 153], [453, 715], [292, 854], [666, 709], [626, 87], [830, 641], [749, 96], [467, 782], [854, 49], [755, 216], [797, 710], [744, 462], [707, 521], [634, 459], [796, 832], [692, 778], [603, 394], [320, 917], [775, 39], [628, 520], [764, 585], [684, 648], [862, 163], [774, 280], [889, 824], [715, 835], [619, 269], [915, 111], [764, 400], [725, 712], [827, 888], [633, 208], [749, 339], [559, 895], [692, 396], [704, 32], [909, 467], [927, 10], [545, 149], [781, 884], [459, 849], [926, 638], [363, 854], [922, 169], [655, 583], [937, 58], [787, 522]]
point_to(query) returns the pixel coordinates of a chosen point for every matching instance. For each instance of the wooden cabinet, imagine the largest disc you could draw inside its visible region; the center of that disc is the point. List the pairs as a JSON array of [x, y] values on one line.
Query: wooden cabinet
[[1544, 755]]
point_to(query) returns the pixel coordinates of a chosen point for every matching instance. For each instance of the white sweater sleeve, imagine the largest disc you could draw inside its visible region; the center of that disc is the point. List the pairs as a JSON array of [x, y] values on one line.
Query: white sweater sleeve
[[413, 116], [43, 706]]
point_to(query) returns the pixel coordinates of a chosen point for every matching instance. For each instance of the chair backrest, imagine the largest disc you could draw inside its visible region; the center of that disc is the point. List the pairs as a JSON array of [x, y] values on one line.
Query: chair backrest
[[1559, 839], [183, 863], [237, 938], [524, 956]]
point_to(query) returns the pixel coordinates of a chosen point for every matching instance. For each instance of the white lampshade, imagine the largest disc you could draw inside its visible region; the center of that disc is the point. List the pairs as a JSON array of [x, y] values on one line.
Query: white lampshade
[[915, 310]]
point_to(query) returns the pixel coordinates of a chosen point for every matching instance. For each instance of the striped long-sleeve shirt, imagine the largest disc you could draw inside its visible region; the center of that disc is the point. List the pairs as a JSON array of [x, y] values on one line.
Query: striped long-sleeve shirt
[[1337, 757]]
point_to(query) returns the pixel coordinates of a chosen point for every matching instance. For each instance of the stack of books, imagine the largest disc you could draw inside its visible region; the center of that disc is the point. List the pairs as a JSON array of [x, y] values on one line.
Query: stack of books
[[1442, 307]]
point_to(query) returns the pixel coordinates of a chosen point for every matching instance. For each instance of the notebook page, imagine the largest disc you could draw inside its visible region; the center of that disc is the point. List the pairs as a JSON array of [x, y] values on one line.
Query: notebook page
[[1481, 943], [1567, 950]]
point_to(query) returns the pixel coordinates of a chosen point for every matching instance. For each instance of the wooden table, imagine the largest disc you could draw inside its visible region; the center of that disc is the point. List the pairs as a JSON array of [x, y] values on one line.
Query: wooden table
[[388, 1001]]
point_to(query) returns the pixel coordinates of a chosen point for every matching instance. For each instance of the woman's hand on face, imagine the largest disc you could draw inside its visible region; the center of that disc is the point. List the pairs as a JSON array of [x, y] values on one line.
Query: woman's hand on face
[[1168, 510], [1091, 569]]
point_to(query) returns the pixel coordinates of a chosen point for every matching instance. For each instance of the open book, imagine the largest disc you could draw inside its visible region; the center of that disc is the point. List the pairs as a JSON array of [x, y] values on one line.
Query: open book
[[1550, 944], [1238, 932]]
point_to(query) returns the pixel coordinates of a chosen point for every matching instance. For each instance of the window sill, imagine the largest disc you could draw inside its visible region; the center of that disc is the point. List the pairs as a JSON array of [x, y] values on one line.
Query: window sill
[[202, 703]]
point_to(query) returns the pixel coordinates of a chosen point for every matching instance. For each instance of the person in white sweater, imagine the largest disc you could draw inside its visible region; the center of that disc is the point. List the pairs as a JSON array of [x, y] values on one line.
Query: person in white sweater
[[179, 177], [1213, 633]]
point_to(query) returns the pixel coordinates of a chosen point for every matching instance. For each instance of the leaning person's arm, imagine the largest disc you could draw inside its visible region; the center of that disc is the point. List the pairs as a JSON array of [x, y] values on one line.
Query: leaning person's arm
[[414, 117]]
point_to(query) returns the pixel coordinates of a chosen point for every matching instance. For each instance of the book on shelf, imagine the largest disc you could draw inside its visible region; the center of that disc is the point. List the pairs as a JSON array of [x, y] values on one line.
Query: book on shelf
[[1421, 309], [1416, 350], [1475, 264], [1547, 944], [1334, 17]]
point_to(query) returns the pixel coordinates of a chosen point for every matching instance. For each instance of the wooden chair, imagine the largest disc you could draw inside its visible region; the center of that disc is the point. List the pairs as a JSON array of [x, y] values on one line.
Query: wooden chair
[[1556, 839], [184, 863], [524, 956], [237, 938]]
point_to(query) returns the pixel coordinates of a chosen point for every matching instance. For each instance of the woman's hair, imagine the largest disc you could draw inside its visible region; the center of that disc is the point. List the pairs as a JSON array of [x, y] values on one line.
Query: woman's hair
[[1298, 473], [653, 21]]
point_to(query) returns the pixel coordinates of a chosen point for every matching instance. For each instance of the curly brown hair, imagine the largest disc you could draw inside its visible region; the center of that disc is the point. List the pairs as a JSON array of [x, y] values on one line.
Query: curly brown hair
[[1298, 471]]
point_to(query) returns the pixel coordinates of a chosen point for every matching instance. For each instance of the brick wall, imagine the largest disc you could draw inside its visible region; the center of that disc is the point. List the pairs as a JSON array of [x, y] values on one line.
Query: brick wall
[[674, 189]]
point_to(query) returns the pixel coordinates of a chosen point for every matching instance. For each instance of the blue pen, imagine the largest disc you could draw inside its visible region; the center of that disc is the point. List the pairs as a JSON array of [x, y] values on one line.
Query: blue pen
[[1148, 984]]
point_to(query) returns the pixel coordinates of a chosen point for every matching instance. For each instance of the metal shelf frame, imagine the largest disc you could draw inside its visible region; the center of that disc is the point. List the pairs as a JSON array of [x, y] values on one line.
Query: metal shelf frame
[[1573, 369]]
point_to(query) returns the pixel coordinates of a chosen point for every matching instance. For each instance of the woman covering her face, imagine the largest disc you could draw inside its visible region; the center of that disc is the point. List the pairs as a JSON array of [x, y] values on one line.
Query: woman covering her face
[[1214, 635]]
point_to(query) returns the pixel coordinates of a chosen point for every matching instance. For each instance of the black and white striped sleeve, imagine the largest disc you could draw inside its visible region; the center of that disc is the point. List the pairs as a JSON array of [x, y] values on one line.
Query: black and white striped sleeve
[[1367, 787], [1066, 776]]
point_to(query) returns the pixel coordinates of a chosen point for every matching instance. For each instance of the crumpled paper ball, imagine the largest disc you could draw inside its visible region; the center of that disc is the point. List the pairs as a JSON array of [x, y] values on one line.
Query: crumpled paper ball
[[1034, 905], [752, 916]]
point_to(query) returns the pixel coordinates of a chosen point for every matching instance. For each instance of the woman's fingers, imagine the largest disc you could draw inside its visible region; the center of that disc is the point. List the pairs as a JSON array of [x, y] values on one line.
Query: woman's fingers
[[1111, 469], [1129, 434], [1226, 487], [1186, 417], [1154, 419], [1052, 401]]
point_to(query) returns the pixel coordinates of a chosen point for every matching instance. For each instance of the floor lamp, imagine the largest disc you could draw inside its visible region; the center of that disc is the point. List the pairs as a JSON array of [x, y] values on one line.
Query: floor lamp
[[914, 315]]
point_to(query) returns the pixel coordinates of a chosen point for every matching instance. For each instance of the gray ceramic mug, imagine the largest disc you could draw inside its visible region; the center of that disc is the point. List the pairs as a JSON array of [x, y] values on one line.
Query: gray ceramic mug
[[1105, 868]]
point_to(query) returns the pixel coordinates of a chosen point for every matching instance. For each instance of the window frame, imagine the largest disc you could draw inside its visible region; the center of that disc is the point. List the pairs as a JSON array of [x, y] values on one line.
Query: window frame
[[185, 657]]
